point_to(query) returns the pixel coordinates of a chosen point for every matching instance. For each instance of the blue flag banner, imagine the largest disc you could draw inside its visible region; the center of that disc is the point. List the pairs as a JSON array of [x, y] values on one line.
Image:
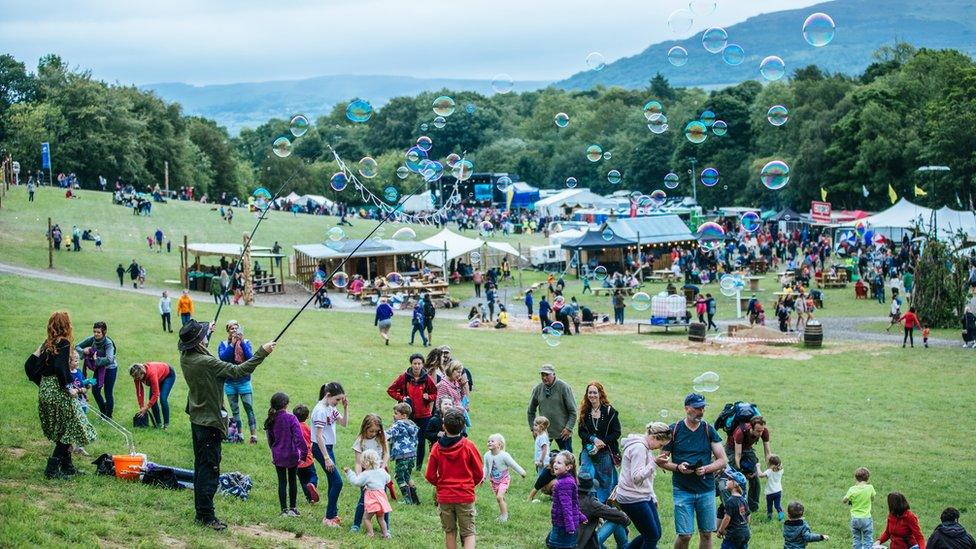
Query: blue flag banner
[[45, 156]]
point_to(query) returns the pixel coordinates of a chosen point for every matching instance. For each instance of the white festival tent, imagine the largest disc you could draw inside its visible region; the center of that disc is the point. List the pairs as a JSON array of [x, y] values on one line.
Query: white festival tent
[[419, 203], [293, 198], [950, 222], [453, 245], [904, 216], [556, 204]]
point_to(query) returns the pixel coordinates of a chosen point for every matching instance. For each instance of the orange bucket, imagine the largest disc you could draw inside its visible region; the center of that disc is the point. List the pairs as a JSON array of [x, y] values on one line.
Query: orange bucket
[[128, 467]]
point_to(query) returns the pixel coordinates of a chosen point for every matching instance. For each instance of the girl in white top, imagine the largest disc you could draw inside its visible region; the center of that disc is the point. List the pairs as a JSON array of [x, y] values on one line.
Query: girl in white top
[[497, 462], [325, 416], [373, 479], [774, 486]]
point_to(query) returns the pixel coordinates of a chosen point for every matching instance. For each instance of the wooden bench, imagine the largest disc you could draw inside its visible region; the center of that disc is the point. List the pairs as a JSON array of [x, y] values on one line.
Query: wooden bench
[[610, 291], [267, 284], [667, 327]]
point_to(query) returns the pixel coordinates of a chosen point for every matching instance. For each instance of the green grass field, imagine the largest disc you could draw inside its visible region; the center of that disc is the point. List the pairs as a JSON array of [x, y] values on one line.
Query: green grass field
[[850, 406]]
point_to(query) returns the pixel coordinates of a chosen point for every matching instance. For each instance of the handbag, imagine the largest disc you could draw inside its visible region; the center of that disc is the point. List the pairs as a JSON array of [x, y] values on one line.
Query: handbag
[[33, 367]]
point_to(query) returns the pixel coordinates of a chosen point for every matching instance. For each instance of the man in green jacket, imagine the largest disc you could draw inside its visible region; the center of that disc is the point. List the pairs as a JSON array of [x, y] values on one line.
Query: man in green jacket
[[205, 375], [554, 399]]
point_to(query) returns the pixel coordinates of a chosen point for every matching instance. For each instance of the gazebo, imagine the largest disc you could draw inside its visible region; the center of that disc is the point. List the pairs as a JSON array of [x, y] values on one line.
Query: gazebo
[[593, 245], [374, 258]]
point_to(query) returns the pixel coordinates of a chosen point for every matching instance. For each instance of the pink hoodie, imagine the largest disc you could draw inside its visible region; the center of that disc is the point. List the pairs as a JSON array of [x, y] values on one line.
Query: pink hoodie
[[637, 470]]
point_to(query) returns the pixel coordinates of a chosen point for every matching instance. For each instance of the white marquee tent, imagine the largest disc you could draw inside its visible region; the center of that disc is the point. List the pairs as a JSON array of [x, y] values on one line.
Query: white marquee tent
[[904, 216], [453, 245], [419, 202], [571, 198]]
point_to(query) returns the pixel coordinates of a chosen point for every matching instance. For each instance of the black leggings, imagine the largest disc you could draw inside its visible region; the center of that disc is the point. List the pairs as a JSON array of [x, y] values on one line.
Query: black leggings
[[909, 336], [292, 484]]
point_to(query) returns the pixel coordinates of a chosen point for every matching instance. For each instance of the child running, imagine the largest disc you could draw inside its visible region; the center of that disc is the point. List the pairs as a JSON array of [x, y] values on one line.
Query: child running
[[325, 416], [774, 487], [497, 462], [859, 497], [566, 516], [288, 449], [403, 450], [796, 531], [371, 437], [306, 468], [373, 479]]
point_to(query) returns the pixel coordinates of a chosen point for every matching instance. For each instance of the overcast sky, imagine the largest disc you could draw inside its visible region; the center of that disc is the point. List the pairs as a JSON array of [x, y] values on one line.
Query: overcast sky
[[222, 41]]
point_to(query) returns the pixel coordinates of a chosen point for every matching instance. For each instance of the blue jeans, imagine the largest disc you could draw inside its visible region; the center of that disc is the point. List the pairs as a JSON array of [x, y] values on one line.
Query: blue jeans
[[106, 404], [306, 476], [565, 444], [736, 540], [618, 316], [618, 532], [184, 318], [421, 441], [688, 506], [334, 477], [559, 537], [165, 386], [644, 517], [603, 471], [418, 328], [862, 532]]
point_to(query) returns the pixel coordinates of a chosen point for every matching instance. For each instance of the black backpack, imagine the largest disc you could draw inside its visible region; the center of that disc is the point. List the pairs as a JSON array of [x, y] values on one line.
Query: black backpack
[[735, 414], [33, 367]]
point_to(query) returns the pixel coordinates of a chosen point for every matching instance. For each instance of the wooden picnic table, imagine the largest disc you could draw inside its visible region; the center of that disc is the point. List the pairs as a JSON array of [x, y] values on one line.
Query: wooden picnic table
[[754, 282], [667, 327], [666, 275], [609, 291], [435, 289]]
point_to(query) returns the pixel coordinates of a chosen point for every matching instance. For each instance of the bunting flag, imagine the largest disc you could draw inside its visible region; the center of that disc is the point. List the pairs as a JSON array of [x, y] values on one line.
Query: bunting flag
[[891, 194], [823, 194], [919, 191], [864, 191]]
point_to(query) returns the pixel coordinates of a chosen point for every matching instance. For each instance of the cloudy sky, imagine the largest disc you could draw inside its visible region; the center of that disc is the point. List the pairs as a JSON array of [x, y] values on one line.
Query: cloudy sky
[[222, 41]]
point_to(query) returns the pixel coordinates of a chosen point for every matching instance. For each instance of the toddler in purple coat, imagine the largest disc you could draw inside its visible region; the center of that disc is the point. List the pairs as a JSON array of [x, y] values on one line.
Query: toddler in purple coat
[[288, 449]]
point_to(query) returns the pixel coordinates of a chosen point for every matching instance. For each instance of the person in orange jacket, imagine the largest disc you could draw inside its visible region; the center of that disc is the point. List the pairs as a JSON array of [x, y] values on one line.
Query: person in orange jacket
[[185, 307]]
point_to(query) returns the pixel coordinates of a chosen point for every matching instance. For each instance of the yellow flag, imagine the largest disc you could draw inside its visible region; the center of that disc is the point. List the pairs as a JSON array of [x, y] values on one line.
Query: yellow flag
[[823, 194], [919, 191], [891, 194]]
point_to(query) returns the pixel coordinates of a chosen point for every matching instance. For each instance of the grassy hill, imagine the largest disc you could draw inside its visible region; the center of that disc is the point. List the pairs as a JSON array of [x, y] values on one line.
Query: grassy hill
[[862, 26], [249, 104]]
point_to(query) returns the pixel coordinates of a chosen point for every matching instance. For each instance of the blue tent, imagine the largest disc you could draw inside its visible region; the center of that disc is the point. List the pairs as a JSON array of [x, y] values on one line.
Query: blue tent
[[525, 196]]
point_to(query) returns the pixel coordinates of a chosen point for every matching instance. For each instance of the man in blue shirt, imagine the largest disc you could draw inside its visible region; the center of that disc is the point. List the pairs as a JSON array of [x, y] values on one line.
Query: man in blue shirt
[[694, 454]]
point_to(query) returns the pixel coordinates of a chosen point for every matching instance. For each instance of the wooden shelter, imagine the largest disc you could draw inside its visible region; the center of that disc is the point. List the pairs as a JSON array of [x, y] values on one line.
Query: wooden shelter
[[375, 257], [197, 274]]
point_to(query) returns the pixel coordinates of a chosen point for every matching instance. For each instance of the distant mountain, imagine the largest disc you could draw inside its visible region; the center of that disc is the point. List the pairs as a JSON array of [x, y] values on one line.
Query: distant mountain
[[862, 26], [250, 104]]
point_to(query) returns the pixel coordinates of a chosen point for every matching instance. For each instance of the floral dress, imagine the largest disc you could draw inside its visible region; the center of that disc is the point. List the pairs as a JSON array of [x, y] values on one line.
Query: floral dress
[[61, 415]]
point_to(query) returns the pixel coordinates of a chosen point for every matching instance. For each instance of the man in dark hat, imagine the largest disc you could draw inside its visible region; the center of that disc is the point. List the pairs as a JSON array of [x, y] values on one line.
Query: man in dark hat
[[205, 375]]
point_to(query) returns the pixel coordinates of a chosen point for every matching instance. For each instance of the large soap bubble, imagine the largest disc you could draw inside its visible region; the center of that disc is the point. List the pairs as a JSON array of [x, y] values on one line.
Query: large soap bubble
[[368, 167], [336, 234], [818, 30], [641, 301], [777, 115], [443, 106], [338, 181], [298, 125], [551, 334], [502, 83], [658, 198], [708, 382], [405, 234], [595, 61], [696, 131], [720, 128], [714, 39], [657, 123], [359, 110], [750, 221], [711, 236], [681, 21], [600, 272], [678, 56], [651, 108], [671, 180], [775, 175], [562, 119], [709, 177], [614, 177], [594, 153], [733, 55], [571, 182], [772, 68], [281, 147]]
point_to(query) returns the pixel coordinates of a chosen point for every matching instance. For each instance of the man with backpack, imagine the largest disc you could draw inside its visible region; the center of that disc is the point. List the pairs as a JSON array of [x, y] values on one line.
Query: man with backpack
[[694, 454], [429, 312], [739, 445]]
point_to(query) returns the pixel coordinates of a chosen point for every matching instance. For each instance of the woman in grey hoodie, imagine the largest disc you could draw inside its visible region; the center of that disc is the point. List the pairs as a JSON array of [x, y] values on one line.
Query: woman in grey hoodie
[[635, 488]]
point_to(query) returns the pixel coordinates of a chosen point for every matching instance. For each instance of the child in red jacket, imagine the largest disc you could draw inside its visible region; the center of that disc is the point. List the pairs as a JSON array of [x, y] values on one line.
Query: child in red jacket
[[902, 527], [455, 468]]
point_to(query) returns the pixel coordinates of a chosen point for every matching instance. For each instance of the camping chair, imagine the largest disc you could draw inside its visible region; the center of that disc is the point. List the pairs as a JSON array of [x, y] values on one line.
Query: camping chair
[[860, 290]]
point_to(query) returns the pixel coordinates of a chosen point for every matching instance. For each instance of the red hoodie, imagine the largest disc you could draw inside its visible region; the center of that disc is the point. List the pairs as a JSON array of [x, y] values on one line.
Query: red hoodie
[[455, 468]]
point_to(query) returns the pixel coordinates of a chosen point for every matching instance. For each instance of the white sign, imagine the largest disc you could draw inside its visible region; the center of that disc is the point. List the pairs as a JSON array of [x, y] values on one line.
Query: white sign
[[16, 167]]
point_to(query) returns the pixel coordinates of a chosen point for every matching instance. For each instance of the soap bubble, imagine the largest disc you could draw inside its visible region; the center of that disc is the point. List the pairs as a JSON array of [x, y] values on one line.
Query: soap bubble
[[552, 333], [663, 413], [336, 234], [558, 302], [706, 383], [658, 197], [414, 157], [462, 170], [750, 221], [443, 106], [281, 147], [402, 172], [720, 128], [777, 115], [394, 278], [470, 108], [594, 153], [562, 119], [600, 273], [298, 125], [657, 123], [641, 301], [405, 234], [439, 122], [571, 182], [709, 177], [431, 170], [452, 159], [607, 234], [261, 192], [775, 175], [651, 108], [340, 279], [423, 127], [714, 39], [677, 56], [338, 181], [359, 110], [425, 143], [613, 176], [595, 61], [696, 131], [680, 21], [772, 68], [733, 55], [607, 155], [671, 180], [707, 118], [390, 193], [502, 83], [368, 167], [702, 7], [818, 30], [503, 183], [475, 257], [642, 201], [711, 236]]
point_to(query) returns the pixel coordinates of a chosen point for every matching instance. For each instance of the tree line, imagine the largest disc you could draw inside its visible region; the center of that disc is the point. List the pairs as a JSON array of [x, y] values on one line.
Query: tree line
[[845, 134]]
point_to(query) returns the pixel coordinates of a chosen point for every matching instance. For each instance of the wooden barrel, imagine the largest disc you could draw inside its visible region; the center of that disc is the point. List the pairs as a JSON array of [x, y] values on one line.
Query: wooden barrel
[[696, 332], [813, 335]]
